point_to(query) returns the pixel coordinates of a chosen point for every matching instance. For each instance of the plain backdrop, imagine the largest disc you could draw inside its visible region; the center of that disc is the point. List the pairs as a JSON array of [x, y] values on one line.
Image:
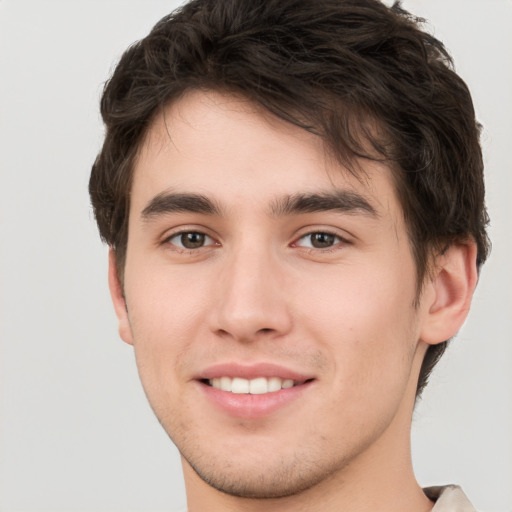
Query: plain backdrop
[[76, 433]]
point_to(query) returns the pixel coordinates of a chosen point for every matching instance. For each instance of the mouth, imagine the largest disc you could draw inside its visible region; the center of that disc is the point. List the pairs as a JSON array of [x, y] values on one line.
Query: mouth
[[256, 386], [253, 391]]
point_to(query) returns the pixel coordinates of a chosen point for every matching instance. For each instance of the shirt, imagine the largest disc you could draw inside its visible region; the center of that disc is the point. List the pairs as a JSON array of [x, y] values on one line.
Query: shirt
[[449, 498]]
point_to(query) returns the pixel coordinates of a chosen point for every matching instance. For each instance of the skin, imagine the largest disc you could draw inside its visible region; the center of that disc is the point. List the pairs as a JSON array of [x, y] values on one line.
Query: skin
[[259, 291]]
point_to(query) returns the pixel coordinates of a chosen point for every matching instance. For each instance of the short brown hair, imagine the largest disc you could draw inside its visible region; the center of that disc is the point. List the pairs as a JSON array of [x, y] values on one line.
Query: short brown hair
[[364, 77]]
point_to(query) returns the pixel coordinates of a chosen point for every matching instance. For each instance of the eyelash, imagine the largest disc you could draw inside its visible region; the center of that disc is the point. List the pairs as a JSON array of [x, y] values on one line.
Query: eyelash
[[331, 248], [183, 249], [334, 247]]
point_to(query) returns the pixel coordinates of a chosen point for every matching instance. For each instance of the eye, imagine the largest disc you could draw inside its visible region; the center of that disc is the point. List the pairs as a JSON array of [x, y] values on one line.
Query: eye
[[319, 240], [190, 240]]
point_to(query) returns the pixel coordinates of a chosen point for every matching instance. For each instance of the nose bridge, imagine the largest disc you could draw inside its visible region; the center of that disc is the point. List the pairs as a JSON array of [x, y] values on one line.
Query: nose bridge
[[250, 299]]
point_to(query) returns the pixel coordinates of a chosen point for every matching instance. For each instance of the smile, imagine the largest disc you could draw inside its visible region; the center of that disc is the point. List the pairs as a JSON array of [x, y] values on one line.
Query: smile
[[257, 386]]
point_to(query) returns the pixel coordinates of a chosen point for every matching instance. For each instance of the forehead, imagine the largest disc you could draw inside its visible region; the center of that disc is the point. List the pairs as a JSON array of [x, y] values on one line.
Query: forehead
[[226, 146]]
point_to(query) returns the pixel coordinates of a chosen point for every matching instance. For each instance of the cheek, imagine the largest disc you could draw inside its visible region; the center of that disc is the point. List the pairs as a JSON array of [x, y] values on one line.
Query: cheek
[[371, 348], [359, 299], [164, 302], [367, 322], [165, 313]]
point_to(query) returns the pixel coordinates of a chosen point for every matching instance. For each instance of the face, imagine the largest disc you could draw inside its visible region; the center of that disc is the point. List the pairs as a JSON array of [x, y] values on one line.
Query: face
[[269, 298]]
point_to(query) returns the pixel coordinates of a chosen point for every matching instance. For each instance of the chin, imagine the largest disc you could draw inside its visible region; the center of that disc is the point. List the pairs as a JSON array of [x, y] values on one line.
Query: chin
[[281, 479]]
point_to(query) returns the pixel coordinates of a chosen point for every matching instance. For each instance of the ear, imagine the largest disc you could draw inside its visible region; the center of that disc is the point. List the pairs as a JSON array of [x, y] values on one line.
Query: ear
[[116, 292], [449, 293]]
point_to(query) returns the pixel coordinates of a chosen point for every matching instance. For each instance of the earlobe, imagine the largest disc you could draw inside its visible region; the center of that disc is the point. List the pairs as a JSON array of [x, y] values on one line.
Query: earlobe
[[116, 292], [450, 294]]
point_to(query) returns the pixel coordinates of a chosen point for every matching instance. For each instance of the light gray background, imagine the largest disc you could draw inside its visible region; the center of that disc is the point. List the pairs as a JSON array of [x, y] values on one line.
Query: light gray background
[[76, 433]]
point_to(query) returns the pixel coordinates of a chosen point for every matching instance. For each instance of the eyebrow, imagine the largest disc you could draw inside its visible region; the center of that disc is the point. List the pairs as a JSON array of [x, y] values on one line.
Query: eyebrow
[[338, 200], [343, 201], [174, 202]]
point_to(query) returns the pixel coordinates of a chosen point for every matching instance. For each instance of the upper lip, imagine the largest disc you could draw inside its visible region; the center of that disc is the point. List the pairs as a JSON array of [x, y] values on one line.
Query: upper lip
[[252, 371]]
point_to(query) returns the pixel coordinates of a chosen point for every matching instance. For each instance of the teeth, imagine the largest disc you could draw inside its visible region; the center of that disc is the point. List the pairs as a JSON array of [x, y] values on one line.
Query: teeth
[[239, 386], [258, 386], [287, 384], [225, 383], [274, 384]]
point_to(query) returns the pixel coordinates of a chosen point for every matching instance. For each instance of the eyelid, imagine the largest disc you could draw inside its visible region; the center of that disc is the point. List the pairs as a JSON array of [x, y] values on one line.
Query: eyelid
[[341, 239], [169, 235], [311, 230], [179, 235]]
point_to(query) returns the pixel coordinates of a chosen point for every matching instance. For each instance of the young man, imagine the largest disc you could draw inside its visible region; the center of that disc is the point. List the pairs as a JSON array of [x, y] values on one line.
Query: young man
[[293, 196]]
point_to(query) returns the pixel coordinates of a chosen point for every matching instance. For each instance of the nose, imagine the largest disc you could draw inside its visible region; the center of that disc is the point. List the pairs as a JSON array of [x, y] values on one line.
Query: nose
[[251, 299]]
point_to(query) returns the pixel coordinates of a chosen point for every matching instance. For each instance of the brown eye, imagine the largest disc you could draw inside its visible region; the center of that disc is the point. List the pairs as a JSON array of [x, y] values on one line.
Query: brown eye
[[190, 240], [322, 240], [319, 240]]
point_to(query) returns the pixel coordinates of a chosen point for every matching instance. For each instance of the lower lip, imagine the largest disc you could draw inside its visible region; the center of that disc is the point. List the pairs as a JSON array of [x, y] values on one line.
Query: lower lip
[[247, 406]]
